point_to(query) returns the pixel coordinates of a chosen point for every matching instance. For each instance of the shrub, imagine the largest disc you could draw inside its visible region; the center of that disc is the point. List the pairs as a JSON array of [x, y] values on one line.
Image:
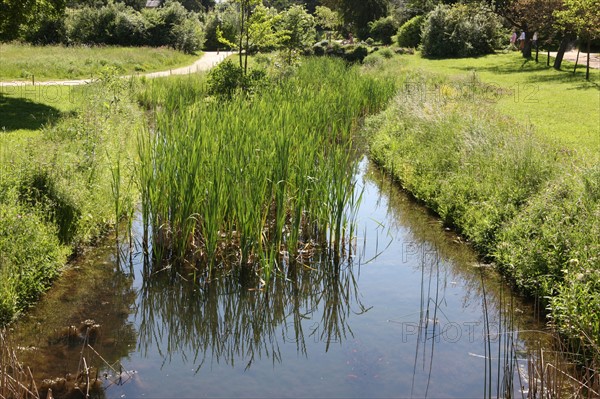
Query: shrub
[[460, 31], [373, 60], [386, 53], [228, 77], [356, 54], [383, 29], [26, 270], [318, 49], [225, 79], [117, 24], [409, 34], [224, 18], [48, 31]]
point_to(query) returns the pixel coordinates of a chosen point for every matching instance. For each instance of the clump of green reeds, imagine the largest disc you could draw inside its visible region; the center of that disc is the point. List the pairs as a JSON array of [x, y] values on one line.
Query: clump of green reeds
[[250, 178]]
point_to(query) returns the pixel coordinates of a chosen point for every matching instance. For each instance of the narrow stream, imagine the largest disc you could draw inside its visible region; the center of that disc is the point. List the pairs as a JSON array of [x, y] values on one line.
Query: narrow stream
[[412, 314]]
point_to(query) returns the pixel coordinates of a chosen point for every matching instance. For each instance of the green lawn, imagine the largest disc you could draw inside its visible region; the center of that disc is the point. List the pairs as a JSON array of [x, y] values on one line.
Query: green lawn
[[565, 108], [21, 61], [30, 108]]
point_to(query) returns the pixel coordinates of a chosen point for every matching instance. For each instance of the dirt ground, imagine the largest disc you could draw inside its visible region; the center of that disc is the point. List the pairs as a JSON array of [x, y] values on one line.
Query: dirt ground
[[572, 56]]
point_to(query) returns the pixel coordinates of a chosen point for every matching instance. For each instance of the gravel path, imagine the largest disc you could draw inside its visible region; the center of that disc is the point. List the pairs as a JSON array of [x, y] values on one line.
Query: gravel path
[[572, 56], [208, 60]]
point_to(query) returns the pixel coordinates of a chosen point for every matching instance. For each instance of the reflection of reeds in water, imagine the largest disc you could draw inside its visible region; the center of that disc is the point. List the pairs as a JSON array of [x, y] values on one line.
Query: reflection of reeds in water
[[16, 380], [517, 362], [540, 368], [558, 372], [229, 320]]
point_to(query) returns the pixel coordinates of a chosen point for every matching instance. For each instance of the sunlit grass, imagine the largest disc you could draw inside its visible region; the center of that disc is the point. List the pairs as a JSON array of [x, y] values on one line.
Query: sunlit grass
[[22, 61], [562, 106]]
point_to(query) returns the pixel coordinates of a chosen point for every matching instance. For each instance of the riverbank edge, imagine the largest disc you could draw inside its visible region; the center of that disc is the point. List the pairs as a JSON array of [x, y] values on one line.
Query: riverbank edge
[[72, 187], [533, 211]]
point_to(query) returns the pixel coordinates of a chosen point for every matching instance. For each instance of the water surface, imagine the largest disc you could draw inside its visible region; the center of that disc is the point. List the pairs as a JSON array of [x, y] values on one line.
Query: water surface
[[411, 313]]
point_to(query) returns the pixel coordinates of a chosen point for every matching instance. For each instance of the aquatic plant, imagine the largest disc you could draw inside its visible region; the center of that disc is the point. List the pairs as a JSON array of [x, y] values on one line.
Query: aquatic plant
[[248, 180]]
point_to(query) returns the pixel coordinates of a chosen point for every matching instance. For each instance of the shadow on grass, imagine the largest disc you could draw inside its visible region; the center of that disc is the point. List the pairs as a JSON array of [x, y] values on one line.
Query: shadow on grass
[[541, 73], [20, 113]]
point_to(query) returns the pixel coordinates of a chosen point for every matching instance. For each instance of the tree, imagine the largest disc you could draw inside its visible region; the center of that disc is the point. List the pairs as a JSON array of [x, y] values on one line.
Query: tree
[[327, 19], [532, 16], [460, 31], [256, 30], [383, 29], [15, 14], [198, 5], [358, 13], [584, 17], [298, 28]]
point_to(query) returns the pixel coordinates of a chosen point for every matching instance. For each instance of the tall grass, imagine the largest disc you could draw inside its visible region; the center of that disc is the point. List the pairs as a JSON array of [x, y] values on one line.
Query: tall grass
[[253, 178], [24, 61]]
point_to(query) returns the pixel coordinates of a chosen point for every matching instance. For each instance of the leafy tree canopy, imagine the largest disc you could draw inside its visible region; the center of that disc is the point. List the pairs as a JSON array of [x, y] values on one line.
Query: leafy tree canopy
[[15, 14]]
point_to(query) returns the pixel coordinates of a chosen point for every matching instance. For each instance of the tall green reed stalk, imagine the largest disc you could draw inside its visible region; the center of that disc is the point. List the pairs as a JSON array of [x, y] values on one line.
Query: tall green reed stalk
[[250, 179]]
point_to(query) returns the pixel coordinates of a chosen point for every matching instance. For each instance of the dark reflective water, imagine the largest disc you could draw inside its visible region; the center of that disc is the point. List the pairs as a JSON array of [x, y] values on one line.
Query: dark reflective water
[[412, 313]]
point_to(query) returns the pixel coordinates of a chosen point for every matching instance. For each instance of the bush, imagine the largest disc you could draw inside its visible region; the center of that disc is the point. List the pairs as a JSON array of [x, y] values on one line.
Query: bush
[[318, 49], [48, 31], [386, 53], [373, 60], [460, 31], [383, 29], [355, 54], [224, 18], [26, 270], [228, 78], [117, 24], [409, 34]]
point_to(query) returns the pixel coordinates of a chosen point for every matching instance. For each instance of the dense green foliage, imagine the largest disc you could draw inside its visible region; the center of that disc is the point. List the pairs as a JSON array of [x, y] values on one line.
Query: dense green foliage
[[227, 79], [299, 29], [224, 19], [460, 31], [263, 174], [114, 24], [358, 13], [409, 34], [383, 29], [17, 16]]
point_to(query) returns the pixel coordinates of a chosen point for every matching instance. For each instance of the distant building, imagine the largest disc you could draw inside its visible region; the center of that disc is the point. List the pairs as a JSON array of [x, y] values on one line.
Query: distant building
[[153, 3]]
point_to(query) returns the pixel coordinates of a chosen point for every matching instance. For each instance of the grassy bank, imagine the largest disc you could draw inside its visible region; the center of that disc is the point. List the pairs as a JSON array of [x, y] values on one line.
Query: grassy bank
[[561, 105], [22, 61], [266, 174], [61, 184], [524, 200]]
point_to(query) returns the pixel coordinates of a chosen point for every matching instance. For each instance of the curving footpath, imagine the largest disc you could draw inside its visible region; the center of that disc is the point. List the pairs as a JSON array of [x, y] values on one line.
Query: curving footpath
[[208, 60]]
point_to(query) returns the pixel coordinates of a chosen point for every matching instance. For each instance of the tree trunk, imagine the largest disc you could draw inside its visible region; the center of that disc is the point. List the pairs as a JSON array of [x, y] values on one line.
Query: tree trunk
[[243, 13], [526, 51], [548, 58], [576, 60], [561, 52], [587, 67]]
